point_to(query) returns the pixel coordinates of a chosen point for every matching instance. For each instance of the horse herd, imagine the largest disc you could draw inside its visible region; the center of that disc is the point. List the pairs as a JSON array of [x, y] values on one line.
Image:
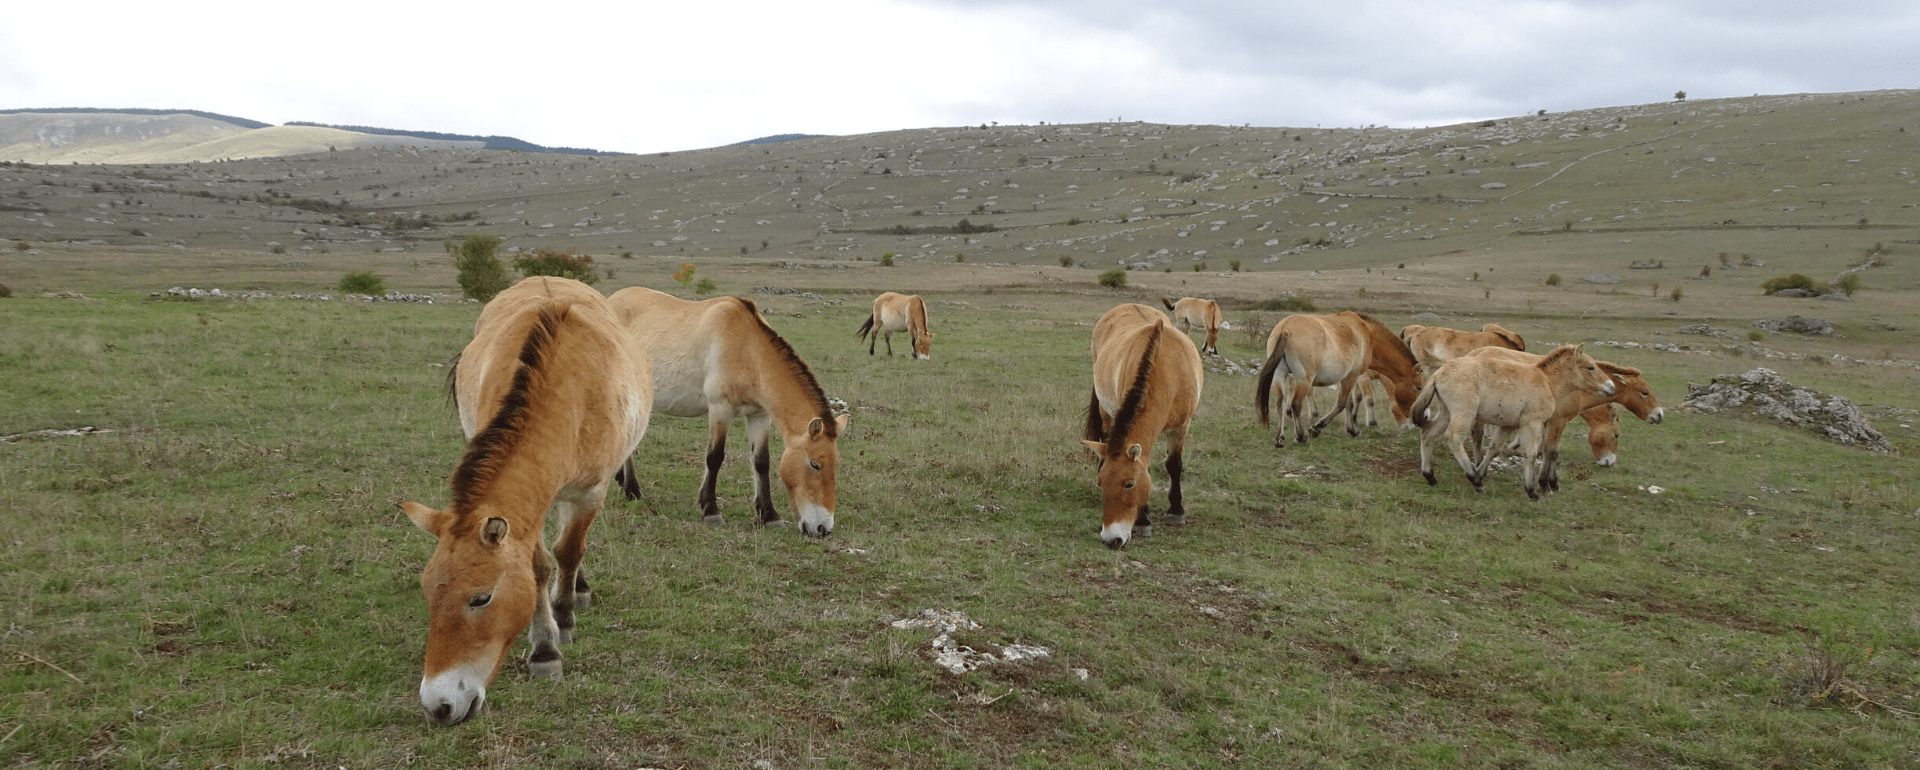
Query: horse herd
[[555, 390]]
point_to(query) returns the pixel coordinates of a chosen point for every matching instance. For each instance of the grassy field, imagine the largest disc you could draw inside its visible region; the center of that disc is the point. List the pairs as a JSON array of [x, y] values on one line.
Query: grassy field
[[224, 580]]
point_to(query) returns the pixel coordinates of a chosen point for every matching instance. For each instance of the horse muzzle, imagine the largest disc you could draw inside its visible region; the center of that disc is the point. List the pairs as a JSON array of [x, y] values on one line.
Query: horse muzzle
[[448, 700], [815, 520], [1659, 413], [1116, 535]]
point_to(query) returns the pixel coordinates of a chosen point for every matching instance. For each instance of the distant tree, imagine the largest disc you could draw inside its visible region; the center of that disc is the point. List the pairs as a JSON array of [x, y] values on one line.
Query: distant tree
[[1680, 95], [479, 271], [1113, 279], [1848, 284], [704, 287], [1066, 260]]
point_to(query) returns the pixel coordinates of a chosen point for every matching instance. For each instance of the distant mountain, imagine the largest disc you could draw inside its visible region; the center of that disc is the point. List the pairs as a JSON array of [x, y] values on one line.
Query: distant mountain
[[242, 122], [777, 138], [492, 142]]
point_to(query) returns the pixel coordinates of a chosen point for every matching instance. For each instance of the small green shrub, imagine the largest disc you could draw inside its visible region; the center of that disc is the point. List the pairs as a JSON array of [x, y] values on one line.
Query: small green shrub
[[1199, 267], [1756, 335], [363, 282], [685, 276], [1553, 279], [1781, 283], [1066, 260], [5, 291], [704, 287], [562, 264], [22, 245], [1848, 284], [886, 260], [1233, 265], [1113, 279], [1677, 294], [478, 267]]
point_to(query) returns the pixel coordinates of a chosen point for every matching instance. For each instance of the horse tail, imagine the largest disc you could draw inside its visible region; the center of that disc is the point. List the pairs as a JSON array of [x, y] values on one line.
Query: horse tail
[[453, 379], [1264, 387], [866, 327], [1167, 302], [1095, 431], [1418, 411]]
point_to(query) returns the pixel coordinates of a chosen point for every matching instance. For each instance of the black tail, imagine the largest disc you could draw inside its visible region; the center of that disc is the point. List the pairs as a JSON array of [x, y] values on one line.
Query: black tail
[[1265, 385], [1168, 303], [864, 328], [1096, 428]]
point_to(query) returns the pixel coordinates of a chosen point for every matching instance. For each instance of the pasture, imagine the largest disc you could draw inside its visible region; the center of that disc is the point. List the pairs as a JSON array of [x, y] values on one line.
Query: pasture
[[224, 580]]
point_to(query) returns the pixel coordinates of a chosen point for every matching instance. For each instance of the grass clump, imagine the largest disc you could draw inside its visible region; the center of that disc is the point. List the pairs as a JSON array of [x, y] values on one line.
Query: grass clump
[[362, 282], [1553, 279], [1114, 279]]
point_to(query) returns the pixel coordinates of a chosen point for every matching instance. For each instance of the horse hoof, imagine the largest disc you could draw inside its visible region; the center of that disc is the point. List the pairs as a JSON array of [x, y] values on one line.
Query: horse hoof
[[1174, 518], [1431, 481], [1140, 532], [713, 519], [549, 668]]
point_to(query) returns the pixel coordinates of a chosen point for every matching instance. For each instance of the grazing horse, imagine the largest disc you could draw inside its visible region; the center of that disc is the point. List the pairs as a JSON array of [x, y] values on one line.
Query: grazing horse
[[1307, 351], [1467, 393], [898, 313], [720, 360], [1194, 313], [1434, 345], [552, 397], [1146, 384], [1630, 390]]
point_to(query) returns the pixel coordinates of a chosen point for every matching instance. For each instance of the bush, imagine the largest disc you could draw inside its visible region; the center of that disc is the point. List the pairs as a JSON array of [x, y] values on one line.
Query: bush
[[1553, 279], [685, 276], [1066, 260], [562, 264], [1287, 304], [1781, 283], [5, 291], [1756, 335], [886, 260], [1233, 265], [1677, 294], [480, 273], [1113, 279], [704, 287], [22, 245], [363, 282], [1848, 284]]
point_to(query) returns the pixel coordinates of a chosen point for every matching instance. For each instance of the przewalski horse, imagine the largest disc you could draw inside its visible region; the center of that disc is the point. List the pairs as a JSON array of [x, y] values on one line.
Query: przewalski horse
[[1307, 351], [1467, 393], [1195, 313], [720, 360], [1630, 390], [552, 397], [1146, 384], [1435, 345], [898, 313]]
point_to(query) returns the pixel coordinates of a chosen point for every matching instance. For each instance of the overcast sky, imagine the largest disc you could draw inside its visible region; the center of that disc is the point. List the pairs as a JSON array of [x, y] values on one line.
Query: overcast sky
[[652, 77]]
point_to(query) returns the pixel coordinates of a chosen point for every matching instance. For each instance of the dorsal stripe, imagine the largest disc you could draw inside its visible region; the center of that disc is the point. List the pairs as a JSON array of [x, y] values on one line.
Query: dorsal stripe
[[488, 449], [1129, 411]]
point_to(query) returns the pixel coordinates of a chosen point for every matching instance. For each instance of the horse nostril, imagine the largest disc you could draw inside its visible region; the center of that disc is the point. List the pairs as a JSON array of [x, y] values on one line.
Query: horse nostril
[[443, 713]]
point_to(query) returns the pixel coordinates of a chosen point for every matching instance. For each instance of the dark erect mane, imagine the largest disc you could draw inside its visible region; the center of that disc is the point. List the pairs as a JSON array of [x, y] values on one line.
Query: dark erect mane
[[487, 450], [1136, 394], [816, 396]]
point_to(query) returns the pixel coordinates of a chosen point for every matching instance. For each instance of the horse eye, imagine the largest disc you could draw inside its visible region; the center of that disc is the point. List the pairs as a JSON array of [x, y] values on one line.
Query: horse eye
[[1129, 485], [814, 465], [480, 600]]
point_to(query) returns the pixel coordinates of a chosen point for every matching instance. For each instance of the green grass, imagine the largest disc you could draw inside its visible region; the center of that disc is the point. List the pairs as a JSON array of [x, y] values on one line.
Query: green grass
[[227, 582]]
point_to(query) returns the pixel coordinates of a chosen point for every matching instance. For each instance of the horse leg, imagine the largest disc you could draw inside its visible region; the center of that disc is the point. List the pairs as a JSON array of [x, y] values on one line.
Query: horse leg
[[1176, 511], [568, 549], [543, 631], [757, 426], [1459, 429], [1530, 443], [624, 479], [1296, 404], [717, 420], [889, 343]]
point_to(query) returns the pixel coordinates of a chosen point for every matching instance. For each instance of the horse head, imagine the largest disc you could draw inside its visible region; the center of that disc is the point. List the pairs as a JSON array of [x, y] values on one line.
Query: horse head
[[481, 592], [922, 343], [808, 467], [1124, 485], [1584, 374], [1633, 392]]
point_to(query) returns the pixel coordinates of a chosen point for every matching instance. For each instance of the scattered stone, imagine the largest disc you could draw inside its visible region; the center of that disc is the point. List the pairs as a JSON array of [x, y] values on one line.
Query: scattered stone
[[1494, 186], [1794, 323], [1762, 392], [1600, 278], [1710, 331], [1835, 297], [1645, 264], [1794, 293], [1425, 317], [959, 658]]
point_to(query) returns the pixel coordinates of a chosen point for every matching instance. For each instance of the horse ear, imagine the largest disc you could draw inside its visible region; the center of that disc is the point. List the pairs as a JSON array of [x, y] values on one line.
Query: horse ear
[[840, 423], [1133, 451], [816, 427], [427, 519], [1099, 447], [495, 530], [1616, 369]]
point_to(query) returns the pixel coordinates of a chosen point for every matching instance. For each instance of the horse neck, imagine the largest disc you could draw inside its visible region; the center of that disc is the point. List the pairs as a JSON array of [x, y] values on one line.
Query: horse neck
[[1387, 355], [784, 394], [520, 488]]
